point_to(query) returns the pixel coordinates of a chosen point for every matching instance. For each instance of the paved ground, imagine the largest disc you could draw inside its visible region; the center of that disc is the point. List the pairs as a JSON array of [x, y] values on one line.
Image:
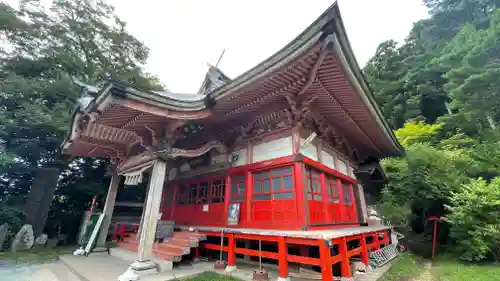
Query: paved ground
[[38, 272], [102, 267]]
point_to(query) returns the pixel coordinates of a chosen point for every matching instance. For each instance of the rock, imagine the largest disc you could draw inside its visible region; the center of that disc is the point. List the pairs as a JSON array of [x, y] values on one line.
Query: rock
[[24, 239], [4, 229], [42, 239]]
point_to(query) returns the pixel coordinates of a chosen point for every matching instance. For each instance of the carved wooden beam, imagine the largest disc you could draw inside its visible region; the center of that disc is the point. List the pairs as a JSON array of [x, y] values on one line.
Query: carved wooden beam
[[179, 152], [261, 99]]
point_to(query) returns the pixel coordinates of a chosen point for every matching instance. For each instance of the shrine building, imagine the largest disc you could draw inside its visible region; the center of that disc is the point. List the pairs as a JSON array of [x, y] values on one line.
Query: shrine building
[[270, 164]]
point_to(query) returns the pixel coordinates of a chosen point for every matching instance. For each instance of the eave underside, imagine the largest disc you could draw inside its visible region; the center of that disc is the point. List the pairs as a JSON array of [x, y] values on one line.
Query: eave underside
[[330, 97]]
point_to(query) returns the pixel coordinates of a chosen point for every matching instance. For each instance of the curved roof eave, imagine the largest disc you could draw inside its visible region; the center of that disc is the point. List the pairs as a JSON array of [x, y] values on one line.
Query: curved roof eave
[[329, 23]]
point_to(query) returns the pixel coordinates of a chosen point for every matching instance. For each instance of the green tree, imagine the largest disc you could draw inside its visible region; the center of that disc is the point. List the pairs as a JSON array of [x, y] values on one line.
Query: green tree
[[474, 220], [43, 52], [417, 132]]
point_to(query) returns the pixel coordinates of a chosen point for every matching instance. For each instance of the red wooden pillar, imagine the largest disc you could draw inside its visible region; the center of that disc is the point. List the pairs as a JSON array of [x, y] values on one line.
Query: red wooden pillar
[[231, 250], [324, 195], [249, 197], [364, 250], [345, 266], [174, 201], [300, 198], [196, 254], [282, 258], [325, 260], [227, 199], [376, 241], [341, 210], [353, 202]]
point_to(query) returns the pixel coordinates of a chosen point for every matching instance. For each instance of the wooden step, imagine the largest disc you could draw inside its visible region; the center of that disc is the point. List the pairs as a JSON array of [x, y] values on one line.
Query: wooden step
[[187, 242], [172, 248], [169, 256], [191, 235]]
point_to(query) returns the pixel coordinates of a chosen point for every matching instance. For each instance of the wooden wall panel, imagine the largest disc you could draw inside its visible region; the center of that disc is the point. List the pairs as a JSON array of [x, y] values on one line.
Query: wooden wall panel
[[241, 157], [272, 149], [309, 150], [328, 159]]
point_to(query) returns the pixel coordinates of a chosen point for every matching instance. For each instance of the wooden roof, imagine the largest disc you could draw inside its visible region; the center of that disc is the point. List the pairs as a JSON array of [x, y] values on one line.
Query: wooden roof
[[315, 73]]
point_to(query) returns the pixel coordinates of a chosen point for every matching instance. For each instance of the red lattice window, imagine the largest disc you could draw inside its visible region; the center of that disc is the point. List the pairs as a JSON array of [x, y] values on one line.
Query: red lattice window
[[203, 192], [238, 188], [347, 189], [218, 190], [332, 190], [314, 185], [275, 184], [182, 194]]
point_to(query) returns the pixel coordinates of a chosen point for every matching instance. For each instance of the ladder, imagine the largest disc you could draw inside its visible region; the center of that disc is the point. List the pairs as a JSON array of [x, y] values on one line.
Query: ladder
[[384, 255]]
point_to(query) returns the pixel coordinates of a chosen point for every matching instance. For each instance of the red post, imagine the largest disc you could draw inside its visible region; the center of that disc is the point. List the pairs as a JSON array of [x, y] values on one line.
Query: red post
[[196, 254], [340, 188], [300, 198], [434, 235], [231, 250], [376, 240], [324, 195], [345, 266], [249, 197], [325, 260], [364, 250], [282, 257], [353, 201], [227, 198], [434, 240], [174, 201]]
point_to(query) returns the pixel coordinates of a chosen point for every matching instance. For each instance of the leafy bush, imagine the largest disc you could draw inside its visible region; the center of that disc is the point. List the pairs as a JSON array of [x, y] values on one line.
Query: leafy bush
[[475, 223]]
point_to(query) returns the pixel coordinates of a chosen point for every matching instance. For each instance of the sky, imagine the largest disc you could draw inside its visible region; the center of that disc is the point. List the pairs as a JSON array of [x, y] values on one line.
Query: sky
[[185, 35]]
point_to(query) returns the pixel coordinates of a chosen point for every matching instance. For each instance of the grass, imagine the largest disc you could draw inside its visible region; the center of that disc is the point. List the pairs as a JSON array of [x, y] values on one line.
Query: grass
[[211, 276], [448, 269], [35, 255], [444, 268], [406, 267]]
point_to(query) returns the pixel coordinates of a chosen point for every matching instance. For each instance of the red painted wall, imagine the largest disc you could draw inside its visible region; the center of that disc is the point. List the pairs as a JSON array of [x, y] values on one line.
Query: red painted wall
[[269, 193]]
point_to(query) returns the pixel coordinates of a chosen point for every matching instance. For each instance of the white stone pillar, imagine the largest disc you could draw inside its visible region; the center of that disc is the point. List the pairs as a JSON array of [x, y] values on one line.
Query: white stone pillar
[[148, 228], [108, 209]]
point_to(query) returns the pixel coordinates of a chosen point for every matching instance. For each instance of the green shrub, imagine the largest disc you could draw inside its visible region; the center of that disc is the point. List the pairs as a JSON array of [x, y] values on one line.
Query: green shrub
[[475, 221]]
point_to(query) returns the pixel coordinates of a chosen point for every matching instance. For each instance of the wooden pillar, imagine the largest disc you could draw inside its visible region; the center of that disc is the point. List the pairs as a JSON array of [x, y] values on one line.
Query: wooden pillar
[[325, 260], [345, 266], [300, 195], [376, 241], [324, 195], [227, 199], [174, 201], [353, 201], [108, 209], [248, 197], [153, 200], [231, 252], [362, 203], [364, 250], [282, 259], [148, 225], [342, 210], [196, 254]]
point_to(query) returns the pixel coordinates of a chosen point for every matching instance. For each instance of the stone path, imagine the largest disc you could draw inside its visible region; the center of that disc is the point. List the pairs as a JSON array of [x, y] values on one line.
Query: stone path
[[426, 274]]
